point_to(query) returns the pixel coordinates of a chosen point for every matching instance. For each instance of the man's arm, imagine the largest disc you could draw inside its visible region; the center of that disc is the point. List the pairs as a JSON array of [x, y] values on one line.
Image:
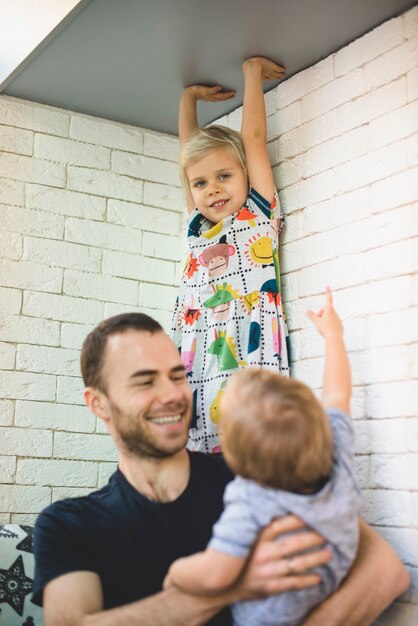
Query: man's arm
[[376, 569], [254, 126], [75, 599], [336, 389]]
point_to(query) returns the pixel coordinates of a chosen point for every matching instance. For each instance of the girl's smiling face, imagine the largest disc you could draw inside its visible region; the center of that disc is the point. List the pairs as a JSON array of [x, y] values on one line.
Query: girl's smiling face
[[218, 184]]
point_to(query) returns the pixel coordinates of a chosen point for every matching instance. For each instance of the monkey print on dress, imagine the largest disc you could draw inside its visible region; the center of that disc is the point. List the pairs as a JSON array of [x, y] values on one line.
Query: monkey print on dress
[[229, 312]]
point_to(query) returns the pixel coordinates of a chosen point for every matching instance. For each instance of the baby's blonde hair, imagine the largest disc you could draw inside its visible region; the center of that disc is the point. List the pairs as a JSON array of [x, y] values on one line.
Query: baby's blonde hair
[[203, 141], [276, 432]]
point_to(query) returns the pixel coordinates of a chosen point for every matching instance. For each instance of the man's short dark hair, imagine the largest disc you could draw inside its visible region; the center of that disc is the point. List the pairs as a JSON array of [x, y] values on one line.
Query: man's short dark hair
[[92, 351]]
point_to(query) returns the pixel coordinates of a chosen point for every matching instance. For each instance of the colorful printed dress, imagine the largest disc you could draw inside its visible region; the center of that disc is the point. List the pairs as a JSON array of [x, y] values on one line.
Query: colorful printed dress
[[229, 313]]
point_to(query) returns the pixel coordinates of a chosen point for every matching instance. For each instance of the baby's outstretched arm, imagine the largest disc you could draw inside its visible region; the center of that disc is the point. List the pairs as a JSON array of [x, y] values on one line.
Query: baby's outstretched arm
[[205, 573], [254, 126], [336, 392]]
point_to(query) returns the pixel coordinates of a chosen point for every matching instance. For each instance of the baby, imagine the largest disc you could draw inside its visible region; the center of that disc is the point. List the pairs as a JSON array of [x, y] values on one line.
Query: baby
[[291, 454]]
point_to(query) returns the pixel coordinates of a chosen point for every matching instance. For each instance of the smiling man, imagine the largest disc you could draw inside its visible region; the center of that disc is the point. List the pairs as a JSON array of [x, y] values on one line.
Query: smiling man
[[101, 559]]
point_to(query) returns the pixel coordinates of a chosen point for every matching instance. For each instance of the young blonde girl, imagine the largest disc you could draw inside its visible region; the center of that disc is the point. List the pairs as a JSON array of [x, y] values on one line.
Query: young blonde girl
[[229, 311]]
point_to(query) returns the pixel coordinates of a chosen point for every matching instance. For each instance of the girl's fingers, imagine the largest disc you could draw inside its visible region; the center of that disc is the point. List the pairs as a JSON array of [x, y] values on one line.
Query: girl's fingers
[[227, 94], [223, 95], [273, 75]]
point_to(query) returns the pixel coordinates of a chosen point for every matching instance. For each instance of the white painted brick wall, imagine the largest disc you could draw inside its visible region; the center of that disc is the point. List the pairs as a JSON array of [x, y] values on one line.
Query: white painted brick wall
[[84, 446], [16, 140], [100, 287], [140, 268], [90, 219], [64, 202], [56, 473], [54, 416], [142, 217], [97, 182], [61, 308], [72, 335], [70, 390], [343, 140], [89, 211]]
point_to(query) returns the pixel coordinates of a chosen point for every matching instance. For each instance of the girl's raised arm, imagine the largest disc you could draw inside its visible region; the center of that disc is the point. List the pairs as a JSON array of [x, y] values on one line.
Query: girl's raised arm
[[188, 122], [254, 126]]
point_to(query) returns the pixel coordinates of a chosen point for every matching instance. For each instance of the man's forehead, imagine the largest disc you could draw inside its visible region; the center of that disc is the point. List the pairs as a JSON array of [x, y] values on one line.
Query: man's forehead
[[140, 339], [133, 344]]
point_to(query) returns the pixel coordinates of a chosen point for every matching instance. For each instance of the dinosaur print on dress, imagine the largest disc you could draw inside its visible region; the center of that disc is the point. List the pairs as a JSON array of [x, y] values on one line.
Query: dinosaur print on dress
[[219, 303], [225, 350]]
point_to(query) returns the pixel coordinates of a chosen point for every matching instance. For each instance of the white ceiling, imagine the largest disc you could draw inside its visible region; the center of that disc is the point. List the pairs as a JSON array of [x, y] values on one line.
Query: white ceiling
[[24, 24], [128, 60]]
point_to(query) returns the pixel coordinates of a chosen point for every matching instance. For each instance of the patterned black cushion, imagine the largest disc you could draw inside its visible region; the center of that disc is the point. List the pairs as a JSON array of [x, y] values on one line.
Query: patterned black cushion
[[16, 576]]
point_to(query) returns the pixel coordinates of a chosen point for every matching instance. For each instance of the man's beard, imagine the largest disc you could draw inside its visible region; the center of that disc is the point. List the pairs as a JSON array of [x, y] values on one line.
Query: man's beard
[[137, 440]]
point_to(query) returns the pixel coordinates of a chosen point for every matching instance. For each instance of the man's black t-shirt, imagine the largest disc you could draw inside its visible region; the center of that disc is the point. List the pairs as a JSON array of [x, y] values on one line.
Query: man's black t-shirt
[[128, 540]]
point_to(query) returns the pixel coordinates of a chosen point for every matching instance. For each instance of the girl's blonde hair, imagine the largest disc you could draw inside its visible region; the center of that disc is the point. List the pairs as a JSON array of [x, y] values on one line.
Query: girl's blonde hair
[[276, 432], [206, 139]]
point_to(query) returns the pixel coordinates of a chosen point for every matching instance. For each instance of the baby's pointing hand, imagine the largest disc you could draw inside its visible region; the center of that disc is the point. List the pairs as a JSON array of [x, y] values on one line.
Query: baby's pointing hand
[[326, 320]]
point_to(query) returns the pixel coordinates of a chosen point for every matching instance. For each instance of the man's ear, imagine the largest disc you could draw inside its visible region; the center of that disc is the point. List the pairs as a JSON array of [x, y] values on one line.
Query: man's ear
[[95, 400]]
